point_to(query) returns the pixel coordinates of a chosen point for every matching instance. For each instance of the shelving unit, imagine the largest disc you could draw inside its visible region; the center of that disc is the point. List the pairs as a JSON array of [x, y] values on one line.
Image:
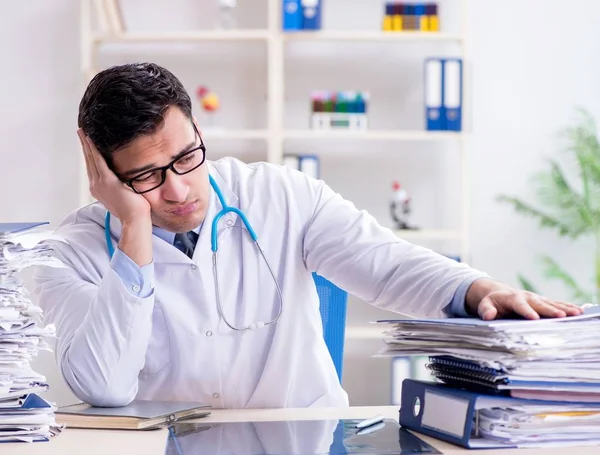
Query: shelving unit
[[373, 135], [368, 35], [276, 134]]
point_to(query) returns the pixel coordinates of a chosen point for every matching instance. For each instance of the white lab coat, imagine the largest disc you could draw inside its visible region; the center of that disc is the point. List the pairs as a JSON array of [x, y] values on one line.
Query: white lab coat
[[113, 347]]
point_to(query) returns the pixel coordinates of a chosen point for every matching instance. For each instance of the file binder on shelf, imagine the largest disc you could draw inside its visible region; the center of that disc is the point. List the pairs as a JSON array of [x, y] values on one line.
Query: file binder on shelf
[[452, 93], [311, 14], [434, 85], [292, 15], [301, 15], [309, 164], [481, 421], [443, 94]]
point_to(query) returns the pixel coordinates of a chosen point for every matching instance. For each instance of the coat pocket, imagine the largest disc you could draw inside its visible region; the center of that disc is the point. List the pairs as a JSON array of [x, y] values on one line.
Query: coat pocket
[[158, 352]]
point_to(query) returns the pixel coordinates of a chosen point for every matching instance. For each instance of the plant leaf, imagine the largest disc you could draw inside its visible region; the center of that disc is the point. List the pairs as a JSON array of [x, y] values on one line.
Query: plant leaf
[[564, 228], [583, 142], [554, 190], [525, 284], [553, 270]]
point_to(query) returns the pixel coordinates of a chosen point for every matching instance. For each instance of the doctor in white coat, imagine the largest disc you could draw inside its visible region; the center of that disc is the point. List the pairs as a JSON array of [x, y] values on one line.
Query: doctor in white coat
[[141, 310]]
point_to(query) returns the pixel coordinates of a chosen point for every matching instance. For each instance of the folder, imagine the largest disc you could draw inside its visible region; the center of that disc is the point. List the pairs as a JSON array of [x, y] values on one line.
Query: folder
[[309, 164], [15, 228], [311, 14], [292, 15], [463, 417], [452, 93], [138, 415], [27, 418], [24, 403], [291, 161], [434, 84], [464, 373]]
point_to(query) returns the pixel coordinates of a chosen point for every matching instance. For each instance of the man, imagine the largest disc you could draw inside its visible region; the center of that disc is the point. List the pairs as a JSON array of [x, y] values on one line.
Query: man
[[159, 320]]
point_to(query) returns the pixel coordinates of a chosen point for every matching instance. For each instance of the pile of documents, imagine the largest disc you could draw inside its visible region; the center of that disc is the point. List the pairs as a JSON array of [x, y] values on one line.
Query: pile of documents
[[550, 367], [24, 415]]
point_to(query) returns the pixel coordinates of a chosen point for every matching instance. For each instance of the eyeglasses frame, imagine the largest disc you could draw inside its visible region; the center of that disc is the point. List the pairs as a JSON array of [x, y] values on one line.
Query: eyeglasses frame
[[130, 182]]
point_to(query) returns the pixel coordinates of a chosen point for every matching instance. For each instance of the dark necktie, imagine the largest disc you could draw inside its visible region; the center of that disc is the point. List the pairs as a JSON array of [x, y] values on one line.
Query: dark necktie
[[186, 242]]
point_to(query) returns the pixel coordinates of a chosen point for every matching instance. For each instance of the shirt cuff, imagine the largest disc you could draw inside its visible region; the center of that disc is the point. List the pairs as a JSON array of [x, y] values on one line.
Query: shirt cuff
[[457, 307], [138, 280]]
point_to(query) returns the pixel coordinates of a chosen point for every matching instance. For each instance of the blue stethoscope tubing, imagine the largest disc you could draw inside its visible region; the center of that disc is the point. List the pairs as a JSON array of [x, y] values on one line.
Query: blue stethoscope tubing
[[225, 208]]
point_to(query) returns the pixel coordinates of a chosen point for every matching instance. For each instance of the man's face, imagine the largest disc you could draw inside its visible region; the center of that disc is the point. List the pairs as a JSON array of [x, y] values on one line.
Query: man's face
[[180, 203]]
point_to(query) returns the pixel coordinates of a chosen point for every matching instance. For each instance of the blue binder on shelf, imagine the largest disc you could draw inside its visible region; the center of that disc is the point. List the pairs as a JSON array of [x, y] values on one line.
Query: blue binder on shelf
[[435, 114], [450, 414], [309, 164], [443, 94], [311, 14], [292, 15], [452, 93]]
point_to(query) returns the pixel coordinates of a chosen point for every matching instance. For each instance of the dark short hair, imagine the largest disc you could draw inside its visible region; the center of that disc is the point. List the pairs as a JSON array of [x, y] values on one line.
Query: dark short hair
[[127, 101]]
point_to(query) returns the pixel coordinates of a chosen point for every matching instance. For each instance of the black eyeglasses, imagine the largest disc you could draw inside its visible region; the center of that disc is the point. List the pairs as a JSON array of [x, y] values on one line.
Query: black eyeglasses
[[186, 163]]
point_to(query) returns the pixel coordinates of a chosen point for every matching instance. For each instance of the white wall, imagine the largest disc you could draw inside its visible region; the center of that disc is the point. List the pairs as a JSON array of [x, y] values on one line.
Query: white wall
[[532, 61]]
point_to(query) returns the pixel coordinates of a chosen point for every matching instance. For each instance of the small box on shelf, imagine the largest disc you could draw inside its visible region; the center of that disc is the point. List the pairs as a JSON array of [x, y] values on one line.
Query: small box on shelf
[[339, 110], [411, 16]]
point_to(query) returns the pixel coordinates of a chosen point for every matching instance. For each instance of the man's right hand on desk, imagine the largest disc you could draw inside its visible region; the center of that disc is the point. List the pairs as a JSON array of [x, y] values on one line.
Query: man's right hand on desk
[[132, 209]]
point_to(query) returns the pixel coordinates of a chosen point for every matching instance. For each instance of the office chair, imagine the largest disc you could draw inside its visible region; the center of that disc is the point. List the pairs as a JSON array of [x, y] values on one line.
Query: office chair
[[332, 305]]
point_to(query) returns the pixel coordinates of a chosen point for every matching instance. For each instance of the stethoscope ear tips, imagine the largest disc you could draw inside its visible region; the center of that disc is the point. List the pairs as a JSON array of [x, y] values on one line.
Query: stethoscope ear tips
[[256, 325]]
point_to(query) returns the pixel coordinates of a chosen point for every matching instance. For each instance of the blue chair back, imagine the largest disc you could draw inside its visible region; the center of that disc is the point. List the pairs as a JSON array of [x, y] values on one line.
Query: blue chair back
[[332, 304]]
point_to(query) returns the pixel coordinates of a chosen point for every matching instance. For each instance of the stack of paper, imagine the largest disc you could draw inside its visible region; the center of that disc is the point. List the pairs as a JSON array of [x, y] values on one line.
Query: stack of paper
[[24, 416], [552, 365], [539, 356], [524, 424]]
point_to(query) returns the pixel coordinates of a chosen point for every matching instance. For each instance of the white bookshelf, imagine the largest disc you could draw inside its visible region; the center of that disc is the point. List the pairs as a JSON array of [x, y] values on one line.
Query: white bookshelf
[[209, 35], [368, 35], [374, 135], [275, 134], [234, 134]]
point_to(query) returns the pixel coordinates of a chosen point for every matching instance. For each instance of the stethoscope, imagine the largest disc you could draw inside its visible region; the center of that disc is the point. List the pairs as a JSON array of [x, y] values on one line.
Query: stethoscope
[[213, 241]]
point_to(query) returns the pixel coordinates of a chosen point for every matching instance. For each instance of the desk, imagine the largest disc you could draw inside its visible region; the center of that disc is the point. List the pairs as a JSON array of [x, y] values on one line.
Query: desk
[[104, 442]]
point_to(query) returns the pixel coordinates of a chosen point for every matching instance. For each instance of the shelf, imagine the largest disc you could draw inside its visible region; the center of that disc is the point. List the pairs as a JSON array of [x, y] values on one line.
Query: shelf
[[207, 35], [211, 134], [261, 34], [374, 135], [357, 35], [428, 234]]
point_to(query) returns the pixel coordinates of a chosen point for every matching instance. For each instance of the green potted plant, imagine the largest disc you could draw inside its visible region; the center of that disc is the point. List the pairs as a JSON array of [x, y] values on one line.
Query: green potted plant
[[571, 207]]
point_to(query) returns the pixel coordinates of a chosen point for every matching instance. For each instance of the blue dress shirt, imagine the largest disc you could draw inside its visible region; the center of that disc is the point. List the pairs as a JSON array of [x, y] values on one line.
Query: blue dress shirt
[[139, 279]]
